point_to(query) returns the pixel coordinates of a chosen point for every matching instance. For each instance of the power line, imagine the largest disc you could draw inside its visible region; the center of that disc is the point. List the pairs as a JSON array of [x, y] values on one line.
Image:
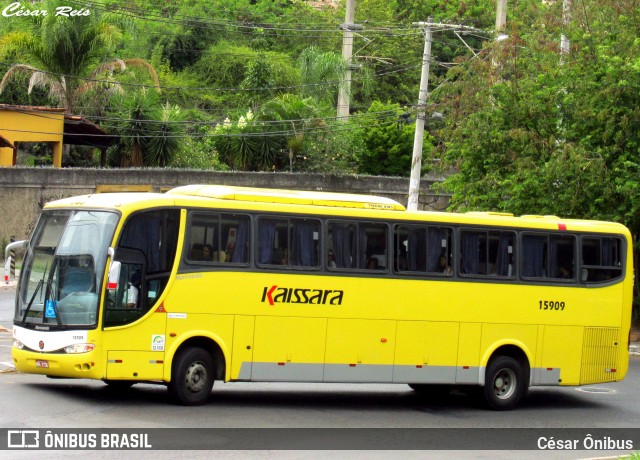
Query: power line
[[381, 114], [306, 130], [361, 36], [220, 89], [195, 22]]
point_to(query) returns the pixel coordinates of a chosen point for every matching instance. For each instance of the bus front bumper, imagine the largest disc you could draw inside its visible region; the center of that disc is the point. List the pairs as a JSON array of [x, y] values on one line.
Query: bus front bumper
[[81, 365]]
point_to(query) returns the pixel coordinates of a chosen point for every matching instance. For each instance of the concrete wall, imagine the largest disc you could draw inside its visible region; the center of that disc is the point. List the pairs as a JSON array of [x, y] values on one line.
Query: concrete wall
[[24, 191]]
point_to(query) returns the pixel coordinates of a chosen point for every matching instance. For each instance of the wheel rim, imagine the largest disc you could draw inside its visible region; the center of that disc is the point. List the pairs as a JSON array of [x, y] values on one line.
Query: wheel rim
[[196, 377], [504, 383]]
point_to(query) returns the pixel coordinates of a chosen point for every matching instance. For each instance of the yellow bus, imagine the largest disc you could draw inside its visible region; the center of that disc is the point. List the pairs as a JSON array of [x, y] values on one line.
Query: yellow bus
[[207, 282]]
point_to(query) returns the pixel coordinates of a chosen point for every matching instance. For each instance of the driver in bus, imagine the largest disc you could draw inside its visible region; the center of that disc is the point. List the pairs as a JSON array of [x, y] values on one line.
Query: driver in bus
[[133, 290]]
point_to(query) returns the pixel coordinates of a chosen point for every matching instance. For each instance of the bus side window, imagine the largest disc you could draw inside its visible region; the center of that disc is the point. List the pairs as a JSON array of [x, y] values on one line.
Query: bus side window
[[423, 249], [340, 241], [487, 253], [470, 253], [548, 256], [271, 241], [203, 237], [372, 244], [234, 235], [562, 256], [358, 245], [534, 250], [304, 239], [500, 253], [288, 242], [218, 238], [601, 259]]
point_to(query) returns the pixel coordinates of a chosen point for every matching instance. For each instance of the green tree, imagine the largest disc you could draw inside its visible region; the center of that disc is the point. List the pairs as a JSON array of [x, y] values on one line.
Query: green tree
[[244, 146], [321, 73], [289, 115], [388, 133], [150, 133], [532, 132], [70, 56], [335, 147], [58, 51], [199, 150], [241, 76]]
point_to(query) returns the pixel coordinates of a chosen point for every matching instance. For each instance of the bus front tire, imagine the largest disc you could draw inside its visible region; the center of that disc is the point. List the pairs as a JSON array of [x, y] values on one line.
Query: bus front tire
[[192, 377], [504, 383]]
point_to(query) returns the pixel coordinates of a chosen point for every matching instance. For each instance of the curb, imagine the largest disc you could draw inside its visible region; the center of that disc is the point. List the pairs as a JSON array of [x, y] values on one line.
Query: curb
[[10, 285]]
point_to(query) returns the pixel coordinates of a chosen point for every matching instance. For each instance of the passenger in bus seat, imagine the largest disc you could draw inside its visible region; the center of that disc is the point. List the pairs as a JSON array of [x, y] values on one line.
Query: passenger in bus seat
[[231, 247], [206, 252], [133, 290], [564, 273], [443, 266], [331, 259]]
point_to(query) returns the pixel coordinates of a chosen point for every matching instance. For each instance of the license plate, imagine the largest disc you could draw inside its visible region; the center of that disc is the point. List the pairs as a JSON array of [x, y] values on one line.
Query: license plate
[[41, 363]]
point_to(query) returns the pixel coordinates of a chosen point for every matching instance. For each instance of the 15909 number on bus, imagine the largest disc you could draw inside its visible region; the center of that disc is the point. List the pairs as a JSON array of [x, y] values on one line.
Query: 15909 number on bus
[[551, 305]]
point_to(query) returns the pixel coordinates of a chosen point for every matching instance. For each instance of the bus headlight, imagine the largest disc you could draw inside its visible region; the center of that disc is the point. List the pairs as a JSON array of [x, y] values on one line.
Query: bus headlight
[[17, 344], [79, 348]]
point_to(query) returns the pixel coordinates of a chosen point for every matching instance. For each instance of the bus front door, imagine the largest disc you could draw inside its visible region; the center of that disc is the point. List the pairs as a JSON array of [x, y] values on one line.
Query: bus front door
[[134, 326]]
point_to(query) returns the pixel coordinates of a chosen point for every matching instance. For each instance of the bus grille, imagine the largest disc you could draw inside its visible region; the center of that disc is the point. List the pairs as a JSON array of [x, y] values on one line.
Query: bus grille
[[599, 355]]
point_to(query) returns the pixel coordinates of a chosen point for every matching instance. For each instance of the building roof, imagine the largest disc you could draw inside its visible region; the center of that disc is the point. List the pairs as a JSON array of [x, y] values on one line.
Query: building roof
[[77, 129], [30, 108], [80, 131], [4, 142]]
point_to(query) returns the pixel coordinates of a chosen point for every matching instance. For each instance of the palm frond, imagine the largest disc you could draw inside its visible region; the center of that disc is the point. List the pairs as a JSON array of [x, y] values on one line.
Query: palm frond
[[13, 71], [37, 78], [117, 64], [141, 63], [110, 87]]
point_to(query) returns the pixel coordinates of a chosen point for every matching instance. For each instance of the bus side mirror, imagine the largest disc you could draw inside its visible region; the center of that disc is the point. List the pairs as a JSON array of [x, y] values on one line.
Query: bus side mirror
[[114, 271], [15, 245], [114, 275]]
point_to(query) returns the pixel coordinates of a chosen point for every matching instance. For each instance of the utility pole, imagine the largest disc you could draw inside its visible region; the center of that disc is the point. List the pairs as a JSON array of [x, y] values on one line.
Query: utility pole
[[416, 162], [501, 23], [566, 18], [501, 16], [347, 50]]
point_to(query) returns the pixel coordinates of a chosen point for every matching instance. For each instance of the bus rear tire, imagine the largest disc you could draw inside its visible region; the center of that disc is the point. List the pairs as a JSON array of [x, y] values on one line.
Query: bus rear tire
[[505, 383], [192, 375]]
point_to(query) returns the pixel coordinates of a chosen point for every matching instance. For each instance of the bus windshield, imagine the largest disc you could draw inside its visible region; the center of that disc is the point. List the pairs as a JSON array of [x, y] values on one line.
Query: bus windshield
[[63, 269]]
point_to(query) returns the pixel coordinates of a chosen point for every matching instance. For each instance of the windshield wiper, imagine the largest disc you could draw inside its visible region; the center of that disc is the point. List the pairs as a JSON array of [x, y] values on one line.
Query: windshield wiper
[[33, 297], [46, 296]]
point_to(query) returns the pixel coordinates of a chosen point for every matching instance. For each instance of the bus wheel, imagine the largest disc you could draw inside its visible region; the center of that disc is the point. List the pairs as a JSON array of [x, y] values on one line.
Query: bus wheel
[[504, 383], [192, 377]]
